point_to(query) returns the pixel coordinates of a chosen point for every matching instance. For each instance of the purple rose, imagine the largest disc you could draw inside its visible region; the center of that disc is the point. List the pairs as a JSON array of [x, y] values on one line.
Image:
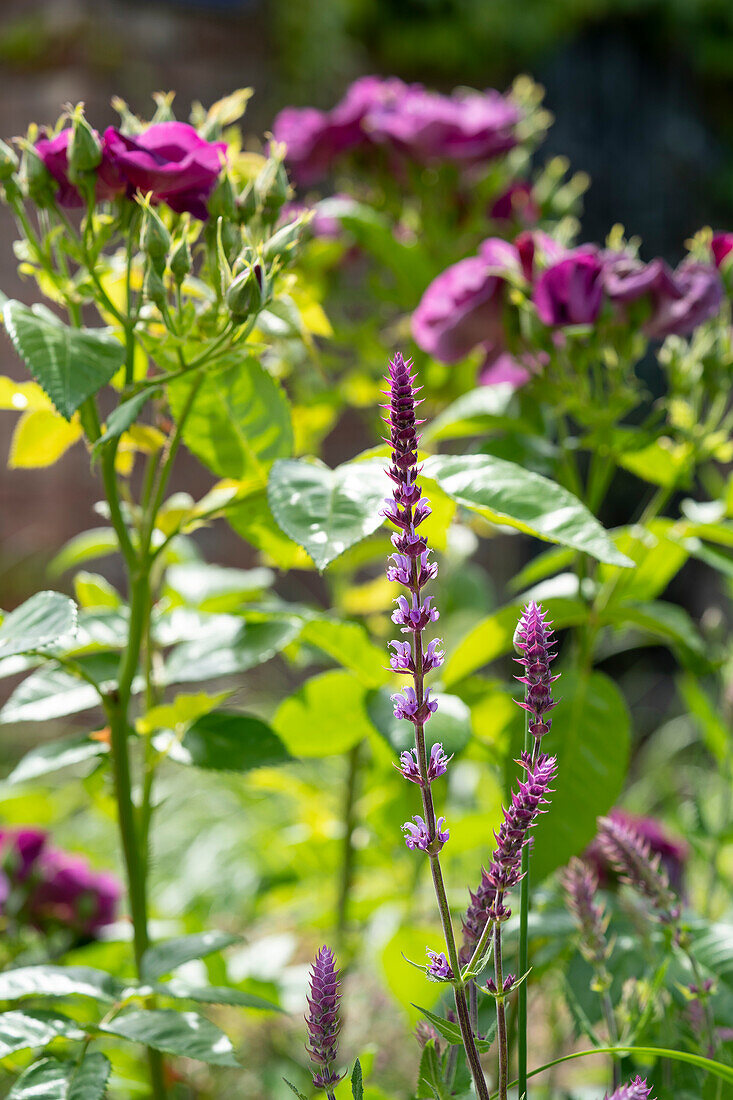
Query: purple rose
[[516, 204], [314, 139], [468, 127], [570, 292], [170, 159], [721, 246], [19, 850], [694, 295], [460, 309], [626, 279], [69, 893], [501, 368], [54, 152]]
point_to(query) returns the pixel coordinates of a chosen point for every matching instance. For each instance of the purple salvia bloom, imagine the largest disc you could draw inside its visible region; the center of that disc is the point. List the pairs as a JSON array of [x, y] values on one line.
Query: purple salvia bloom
[[402, 659], [439, 968], [526, 806], [635, 1090], [631, 857], [437, 764], [534, 641], [323, 1019], [580, 884], [406, 706], [434, 655], [417, 835], [414, 618]]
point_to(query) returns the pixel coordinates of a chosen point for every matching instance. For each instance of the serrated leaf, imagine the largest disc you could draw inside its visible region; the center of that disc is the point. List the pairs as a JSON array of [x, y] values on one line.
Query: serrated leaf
[[216, 995], [37, 623], [254, 522], [21, 396], [58, 981], [162, 958], [70, 364], [22, 1030], [97, 543], [185, 1034], [291, 1086], [240, 420], [430, 1083], [51, 692], [327, 511], [226, 741], [44, 1080], [230, 644], [40, 438], [591, 737], [452, 1032], [506, 493], [89, 1080], [311, 722], [94, 590], [120, 419], [55, 755], [357, 1085]]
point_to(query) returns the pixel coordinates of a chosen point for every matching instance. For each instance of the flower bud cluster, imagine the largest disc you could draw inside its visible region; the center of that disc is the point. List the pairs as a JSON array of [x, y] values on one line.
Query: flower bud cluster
[[534, 641], [323, 1019], [631, 857], [580, 884], [635, 1090]]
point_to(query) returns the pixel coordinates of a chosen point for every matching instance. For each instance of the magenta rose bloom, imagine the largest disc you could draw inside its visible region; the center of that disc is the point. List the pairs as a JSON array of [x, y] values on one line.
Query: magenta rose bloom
[[626, 279], [19, 850], [170, 159], [516, 204], [467, 127], [693, 295], [69, 893], [721, 246], [314, 139], [501, 368], [571, 291], [54, 152], [460, 309]]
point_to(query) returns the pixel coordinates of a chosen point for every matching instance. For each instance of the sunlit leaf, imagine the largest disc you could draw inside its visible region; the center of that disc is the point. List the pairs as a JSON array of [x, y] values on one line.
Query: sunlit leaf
[[52, 756], [181, 1033], [40, 439], [313, 721], [36, 624], [163, 958], [349, 645], [225, 741], [230, 644]]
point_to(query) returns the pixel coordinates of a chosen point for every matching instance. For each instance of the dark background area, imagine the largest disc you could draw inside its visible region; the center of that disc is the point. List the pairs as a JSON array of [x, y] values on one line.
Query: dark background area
[[641, 91]]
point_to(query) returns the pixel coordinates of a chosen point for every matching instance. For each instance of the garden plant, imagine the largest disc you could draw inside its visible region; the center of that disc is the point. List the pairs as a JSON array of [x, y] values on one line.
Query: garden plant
[[490, 789]]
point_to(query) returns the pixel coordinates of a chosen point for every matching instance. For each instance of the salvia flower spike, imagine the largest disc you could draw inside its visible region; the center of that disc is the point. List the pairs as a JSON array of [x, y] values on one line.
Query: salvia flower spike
[[580, 883], [635, 1090], [528, 802], [323, 1019], [534, 641], [630, 855]]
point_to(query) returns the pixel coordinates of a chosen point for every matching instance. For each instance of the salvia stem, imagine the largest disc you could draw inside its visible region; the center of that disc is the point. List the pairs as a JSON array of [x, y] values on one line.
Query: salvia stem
[[501, 1032], [523, 951]]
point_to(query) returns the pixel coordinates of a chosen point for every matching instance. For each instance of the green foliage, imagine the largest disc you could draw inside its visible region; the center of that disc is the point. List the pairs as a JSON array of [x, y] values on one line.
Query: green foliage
[[226, 741], [37, 624], [69, 364], [162, 958], [182, 1033], [327, 511], [327, 715]]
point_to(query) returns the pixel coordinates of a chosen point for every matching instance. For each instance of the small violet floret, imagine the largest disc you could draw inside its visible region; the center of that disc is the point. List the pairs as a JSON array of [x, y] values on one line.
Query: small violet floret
[[438, 969], [406, 705], [415, 618], [437, 765], [417, 835]]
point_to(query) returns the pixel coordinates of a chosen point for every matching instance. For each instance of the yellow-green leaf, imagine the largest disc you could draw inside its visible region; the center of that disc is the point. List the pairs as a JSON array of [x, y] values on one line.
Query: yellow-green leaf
[[40, 438]]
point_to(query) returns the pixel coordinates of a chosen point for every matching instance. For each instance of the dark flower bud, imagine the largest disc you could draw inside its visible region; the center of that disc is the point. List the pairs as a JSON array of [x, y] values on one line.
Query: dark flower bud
[[246, 293], [272, 187], [9, 162], [153, 285], [85, 149], [223, 200], [39, 182], [180, 261], [247, 204], [155, 240]]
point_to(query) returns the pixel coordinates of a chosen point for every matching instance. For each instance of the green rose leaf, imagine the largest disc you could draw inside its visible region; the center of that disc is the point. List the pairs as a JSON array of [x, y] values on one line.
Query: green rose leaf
[[226, 741], [240, 420], [506, 493], [89, 1080], [70, 364], [59, 981], [37, 623], [327, 511], [164, 957], [327, 715], [54, 755], [181, 1033], [44, 1080], [215, 995], [21, 1030], [229, 644]]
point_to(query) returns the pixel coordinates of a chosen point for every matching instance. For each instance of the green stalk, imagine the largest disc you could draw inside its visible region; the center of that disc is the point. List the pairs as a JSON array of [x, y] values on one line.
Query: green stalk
[[501, 1033], [349, 820]]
